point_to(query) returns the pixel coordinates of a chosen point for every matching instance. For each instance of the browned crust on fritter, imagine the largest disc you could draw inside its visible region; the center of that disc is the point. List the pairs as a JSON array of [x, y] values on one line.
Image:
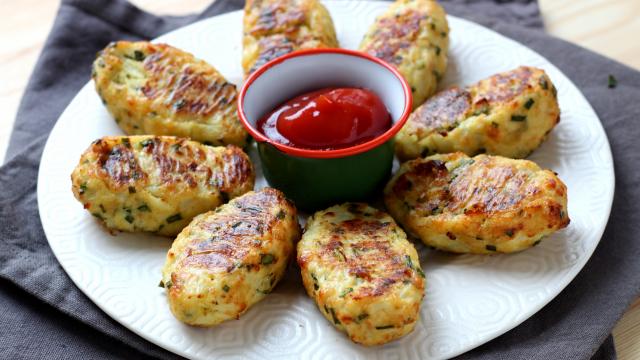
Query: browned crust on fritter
[[443, 111], [372, 260], [188, 91], [156, 89], [272, 47], [483, 204], [503, 87], [276, 17], [277, 25], [478, 187], [394, 34], [234, 233], [118, 163], [176, 160], [433, 178]]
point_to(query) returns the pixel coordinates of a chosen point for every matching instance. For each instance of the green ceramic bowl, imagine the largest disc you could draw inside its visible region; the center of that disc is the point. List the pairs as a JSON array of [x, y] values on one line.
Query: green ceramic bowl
[[315, 179]]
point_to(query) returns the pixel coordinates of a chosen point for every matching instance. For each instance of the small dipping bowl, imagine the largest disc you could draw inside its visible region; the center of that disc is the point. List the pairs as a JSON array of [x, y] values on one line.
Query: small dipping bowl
[[314, 179]]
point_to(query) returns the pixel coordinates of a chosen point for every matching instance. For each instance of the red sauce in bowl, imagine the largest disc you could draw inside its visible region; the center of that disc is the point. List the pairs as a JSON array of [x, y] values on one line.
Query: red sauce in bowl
[[326, 119]]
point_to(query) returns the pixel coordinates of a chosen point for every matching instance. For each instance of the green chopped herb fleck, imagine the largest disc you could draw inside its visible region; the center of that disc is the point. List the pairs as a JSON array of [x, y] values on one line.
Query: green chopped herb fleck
[[465, 162], [132, 190], [543, 83], [97, 215], [420, 272], [174, 218], [138, 55], [494, 124], [168, 284], [251, 209], [266, 259], [179, 104], [518, 117], [161, 284], [125, 141], [509, 232], [384, 327], [537, 242], [102, 208], [529, 104], [129, 218], [333, 315], [613, 82], [236, 224], [437, 75], [438, 50], [346, 291], [83, 188], [144, 207], [146, 142], [363, 316], [226, 288], [484, 111], [281, 215], [408, 261]]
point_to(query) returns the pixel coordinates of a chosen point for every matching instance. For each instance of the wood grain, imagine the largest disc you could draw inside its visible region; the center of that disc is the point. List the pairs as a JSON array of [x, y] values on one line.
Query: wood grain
[[609, 27]]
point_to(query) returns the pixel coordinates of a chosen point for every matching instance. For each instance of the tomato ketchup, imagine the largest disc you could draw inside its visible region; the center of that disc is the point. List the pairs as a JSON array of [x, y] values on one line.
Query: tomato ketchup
[[326, 119]]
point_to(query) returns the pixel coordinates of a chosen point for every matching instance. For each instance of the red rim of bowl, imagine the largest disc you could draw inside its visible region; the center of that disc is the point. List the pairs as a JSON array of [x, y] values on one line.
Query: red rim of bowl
[[324, 154]]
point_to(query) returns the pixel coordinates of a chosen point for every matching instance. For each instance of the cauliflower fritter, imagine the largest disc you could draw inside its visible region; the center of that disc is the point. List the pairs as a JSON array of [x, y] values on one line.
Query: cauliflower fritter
[[362, 272], [412, 35], [508, 114], [480, 205], [227, 260], [156, 89], [157, 183], [273, 28]]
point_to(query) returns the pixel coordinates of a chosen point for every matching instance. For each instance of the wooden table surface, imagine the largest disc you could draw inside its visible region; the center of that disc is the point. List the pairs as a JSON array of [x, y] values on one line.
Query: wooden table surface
[[604, 26]]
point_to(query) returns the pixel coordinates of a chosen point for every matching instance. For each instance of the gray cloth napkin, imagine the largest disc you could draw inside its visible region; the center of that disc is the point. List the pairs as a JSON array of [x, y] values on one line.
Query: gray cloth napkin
[[45, 316]]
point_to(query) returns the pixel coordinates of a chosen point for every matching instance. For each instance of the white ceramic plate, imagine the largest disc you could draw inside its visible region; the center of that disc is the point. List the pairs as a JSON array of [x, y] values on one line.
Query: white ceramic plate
[[469, 299]]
